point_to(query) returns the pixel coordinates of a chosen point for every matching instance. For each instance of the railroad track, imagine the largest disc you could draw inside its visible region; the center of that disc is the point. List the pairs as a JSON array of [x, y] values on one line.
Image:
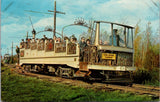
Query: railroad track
[[136, 88], [146, 87]]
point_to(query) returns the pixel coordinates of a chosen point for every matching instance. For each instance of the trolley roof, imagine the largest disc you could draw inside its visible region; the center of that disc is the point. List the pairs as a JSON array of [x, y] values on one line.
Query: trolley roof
[[115, 24]]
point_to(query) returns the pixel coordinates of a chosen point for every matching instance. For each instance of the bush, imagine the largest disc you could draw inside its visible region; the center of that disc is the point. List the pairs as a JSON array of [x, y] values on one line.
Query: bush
[[2, 64], [144, 76], [14, 59]]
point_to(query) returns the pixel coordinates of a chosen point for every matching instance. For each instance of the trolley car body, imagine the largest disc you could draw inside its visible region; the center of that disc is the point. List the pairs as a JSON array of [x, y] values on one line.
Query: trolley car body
[[109, 62]]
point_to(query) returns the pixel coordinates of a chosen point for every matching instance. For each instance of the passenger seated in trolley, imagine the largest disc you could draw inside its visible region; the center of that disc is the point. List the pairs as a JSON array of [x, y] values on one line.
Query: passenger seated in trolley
[[29, 40], [88, 42], [58, 40], [50, 44], [44, 37], [33, 40], [73, 40], [106, 43], [22, 44], [54, 38], [36, 39], [100, 42]]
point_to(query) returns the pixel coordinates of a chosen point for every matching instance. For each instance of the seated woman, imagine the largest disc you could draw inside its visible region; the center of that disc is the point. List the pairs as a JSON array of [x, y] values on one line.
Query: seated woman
[[50, 45], [73, 40], [100, 42], [88, 42], [106, 43], [58, 40]]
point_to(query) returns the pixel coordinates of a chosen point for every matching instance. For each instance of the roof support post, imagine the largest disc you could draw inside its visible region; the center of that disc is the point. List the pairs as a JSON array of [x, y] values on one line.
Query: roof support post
[[112, 32], [97, 33]]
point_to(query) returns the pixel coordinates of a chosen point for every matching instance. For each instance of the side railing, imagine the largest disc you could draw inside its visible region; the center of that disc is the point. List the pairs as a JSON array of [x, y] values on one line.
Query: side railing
[[60, 47], [27, 45], [71, 48], [33, 46], [41, 46], [50, 45]]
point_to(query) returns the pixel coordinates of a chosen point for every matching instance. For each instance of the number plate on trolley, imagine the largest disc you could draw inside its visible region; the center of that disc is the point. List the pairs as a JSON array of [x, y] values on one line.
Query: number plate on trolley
[[108, 56]]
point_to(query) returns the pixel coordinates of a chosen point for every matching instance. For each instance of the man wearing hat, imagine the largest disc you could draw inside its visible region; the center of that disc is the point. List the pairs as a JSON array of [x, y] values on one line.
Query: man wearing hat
[[82, 45]]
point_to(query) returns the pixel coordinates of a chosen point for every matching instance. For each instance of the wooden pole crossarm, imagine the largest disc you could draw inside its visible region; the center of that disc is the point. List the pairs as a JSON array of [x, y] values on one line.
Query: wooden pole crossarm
[[57, 12]]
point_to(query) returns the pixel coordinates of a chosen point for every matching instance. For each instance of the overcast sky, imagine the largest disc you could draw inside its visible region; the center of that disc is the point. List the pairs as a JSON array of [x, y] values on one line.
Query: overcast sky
[[15, 20]]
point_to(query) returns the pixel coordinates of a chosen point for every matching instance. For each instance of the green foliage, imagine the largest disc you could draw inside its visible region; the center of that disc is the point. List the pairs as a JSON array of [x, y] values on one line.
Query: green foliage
[[146, 48], [14, 59], [21, 88], [146, 56], [145, 76], [2, 64], [141, 75]]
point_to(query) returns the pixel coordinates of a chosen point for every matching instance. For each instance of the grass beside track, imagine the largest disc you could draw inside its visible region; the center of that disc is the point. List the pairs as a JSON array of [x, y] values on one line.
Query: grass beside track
[[21, 88]]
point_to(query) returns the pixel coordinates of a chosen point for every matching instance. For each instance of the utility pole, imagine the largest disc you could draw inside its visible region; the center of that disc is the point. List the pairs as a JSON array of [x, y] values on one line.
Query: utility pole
[[54, 30], [12, 52], [27, 36]]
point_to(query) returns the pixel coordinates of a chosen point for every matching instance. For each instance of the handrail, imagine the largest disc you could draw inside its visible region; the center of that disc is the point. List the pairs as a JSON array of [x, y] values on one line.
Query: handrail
[[75, 25]]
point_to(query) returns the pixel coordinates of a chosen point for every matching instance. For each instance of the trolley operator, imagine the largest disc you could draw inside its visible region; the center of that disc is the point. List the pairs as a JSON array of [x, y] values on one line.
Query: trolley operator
[[116, 38]]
